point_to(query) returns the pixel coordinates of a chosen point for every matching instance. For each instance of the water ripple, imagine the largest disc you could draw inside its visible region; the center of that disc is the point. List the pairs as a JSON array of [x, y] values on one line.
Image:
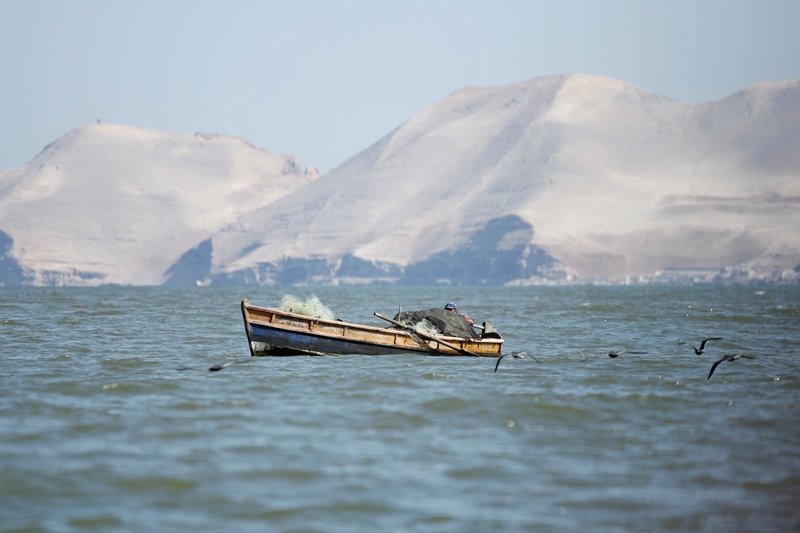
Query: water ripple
[[111, 420]]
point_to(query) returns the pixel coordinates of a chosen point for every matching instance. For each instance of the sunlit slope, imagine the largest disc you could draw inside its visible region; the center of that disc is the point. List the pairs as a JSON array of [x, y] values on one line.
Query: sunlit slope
[[613, 181], [117, 204]]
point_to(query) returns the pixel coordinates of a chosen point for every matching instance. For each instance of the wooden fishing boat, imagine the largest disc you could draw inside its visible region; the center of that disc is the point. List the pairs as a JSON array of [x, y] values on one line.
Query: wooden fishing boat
[[275, 332]]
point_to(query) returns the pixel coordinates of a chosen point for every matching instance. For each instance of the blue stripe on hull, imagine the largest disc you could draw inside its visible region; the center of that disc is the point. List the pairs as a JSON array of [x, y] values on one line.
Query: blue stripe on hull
[[281, 342]]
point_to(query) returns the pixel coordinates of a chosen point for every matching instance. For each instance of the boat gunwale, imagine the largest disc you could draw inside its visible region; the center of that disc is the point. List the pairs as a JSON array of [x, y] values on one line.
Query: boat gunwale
[[317, 320]]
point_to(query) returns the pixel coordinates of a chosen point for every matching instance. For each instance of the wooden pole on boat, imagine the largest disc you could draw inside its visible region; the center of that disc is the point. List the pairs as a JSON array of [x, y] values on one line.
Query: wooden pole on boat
[[430, 337]]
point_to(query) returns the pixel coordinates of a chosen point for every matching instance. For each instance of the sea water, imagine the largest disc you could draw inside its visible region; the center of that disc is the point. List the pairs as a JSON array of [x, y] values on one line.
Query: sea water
[[111, 421]]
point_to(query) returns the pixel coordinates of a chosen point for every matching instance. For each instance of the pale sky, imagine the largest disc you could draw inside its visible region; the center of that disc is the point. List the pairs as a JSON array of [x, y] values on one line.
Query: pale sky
[[323, 80]]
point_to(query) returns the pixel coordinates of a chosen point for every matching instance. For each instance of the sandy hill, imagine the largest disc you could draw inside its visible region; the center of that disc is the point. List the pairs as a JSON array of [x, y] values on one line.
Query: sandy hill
[[562, 177], [587, 175], [117, 204]]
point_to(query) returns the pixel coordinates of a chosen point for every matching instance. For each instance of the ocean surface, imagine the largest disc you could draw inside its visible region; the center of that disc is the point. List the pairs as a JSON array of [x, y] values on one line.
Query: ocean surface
[[111, 421]]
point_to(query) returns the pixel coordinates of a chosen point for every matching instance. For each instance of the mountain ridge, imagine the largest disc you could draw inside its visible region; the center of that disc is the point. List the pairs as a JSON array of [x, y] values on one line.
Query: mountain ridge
[[656, 139], [120, 204], [555, 179]]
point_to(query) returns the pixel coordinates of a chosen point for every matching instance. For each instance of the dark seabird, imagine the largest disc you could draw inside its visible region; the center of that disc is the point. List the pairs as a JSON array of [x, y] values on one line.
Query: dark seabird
[[515, 355], [729, 357], [612, 355], [617, 354], [217, 367], [702, 348]]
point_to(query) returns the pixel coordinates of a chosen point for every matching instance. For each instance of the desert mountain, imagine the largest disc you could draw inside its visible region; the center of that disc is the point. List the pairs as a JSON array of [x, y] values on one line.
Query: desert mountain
[[117, 204], [563, 177], [568, 175]]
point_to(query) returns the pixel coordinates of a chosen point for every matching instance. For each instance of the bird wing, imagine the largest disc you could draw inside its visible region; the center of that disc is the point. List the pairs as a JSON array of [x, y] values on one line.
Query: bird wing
[[498, 362], [715, 365], [704, 341]]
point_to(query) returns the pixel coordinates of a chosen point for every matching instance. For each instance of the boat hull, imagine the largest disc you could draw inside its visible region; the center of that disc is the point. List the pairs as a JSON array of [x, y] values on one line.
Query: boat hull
[[272, 332]]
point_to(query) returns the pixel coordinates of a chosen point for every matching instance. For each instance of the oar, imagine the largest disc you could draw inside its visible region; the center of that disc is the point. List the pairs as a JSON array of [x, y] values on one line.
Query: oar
[[430, 337]]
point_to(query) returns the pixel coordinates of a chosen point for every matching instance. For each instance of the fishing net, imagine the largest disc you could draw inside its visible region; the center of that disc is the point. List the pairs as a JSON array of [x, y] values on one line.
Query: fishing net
[[437, 322], [312, 306]]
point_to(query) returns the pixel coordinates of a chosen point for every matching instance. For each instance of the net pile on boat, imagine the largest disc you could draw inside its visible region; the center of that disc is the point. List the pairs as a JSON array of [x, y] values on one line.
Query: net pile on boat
[[312, 306], [437, 322]]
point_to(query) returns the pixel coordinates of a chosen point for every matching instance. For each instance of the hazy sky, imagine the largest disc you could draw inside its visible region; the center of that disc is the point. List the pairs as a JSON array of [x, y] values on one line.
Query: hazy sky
[[323, 80]]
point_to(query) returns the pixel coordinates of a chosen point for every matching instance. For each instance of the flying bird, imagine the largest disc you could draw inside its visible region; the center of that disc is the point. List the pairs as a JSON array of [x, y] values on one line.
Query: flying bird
[[515, 355], [702, 348], [218, 367], [612, 354], [617, 354], [729, 357]]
